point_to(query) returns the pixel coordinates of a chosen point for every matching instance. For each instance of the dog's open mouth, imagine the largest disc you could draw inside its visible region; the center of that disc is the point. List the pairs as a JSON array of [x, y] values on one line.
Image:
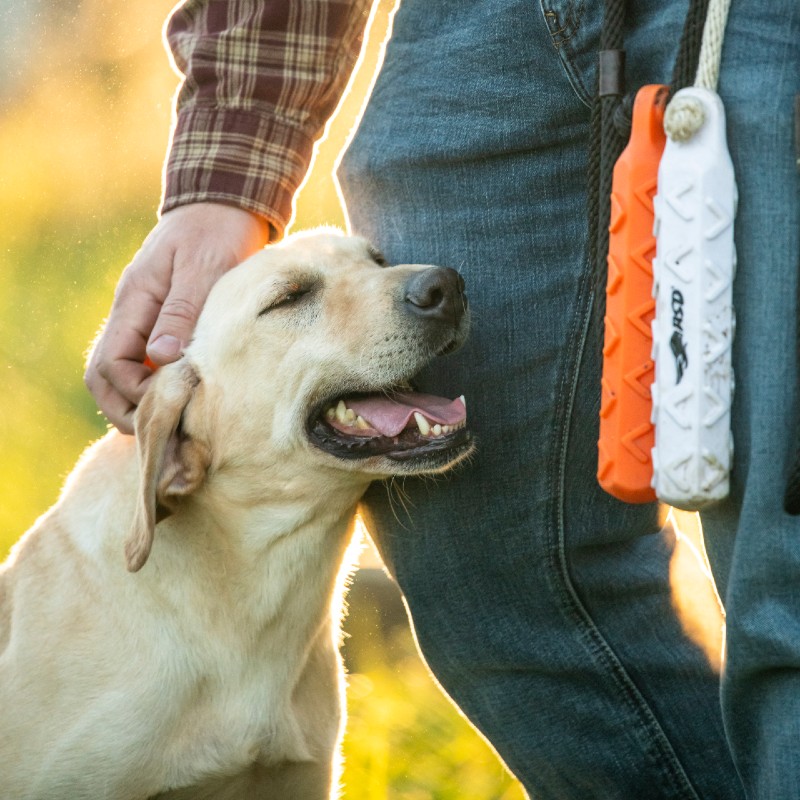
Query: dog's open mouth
[[400, 425]]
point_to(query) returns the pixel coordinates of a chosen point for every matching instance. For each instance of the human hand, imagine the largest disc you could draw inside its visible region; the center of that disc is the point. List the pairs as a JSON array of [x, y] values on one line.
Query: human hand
[[159, 298]]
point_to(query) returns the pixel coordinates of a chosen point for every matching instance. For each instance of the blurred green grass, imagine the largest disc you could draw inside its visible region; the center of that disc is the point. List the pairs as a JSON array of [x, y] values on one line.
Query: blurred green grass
[[84, 120]]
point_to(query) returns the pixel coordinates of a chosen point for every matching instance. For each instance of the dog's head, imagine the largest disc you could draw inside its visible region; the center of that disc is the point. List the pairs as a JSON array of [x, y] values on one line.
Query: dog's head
[[301, 365]]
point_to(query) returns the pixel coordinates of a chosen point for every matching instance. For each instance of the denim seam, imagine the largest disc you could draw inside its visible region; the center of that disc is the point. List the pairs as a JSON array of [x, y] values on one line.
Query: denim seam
[[657, 746], [561, 44], [571, 24]]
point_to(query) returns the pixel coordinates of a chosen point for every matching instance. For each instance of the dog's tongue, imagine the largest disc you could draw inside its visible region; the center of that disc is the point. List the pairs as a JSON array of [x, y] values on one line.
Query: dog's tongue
[[390, 415]]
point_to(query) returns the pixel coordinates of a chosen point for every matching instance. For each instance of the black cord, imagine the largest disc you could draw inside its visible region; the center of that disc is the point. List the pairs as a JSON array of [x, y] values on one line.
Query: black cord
[[685, 69], [607, 143], [791, 499]]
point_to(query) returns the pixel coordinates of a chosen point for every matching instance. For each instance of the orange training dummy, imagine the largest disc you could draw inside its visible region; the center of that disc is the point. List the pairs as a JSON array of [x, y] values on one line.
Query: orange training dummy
[[625, 467]]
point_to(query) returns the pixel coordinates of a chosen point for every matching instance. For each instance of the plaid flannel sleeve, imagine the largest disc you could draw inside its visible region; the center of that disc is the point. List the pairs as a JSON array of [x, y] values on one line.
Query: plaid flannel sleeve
[[261, 78]]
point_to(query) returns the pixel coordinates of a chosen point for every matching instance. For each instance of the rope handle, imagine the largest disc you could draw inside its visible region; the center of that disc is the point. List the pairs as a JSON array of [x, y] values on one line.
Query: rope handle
[[685, 115]]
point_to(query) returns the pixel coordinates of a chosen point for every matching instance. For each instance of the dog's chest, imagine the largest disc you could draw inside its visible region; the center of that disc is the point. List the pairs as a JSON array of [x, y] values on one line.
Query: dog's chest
[[228, 727]]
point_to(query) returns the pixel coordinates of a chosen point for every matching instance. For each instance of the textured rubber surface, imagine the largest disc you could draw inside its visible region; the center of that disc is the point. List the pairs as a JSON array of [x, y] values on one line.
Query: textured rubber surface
[[624, 465], [693, 330]]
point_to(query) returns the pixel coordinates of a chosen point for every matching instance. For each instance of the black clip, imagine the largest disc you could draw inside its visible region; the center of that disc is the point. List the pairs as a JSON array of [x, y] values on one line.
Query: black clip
[[611, 78]]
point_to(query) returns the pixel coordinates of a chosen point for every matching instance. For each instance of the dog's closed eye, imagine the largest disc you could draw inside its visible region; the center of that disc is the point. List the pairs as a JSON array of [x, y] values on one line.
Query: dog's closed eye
[[377, 256], [290, 295]]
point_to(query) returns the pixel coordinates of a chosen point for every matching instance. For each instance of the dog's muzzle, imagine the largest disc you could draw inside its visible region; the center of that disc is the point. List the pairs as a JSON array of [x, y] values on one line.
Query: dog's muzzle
[[393, 420]]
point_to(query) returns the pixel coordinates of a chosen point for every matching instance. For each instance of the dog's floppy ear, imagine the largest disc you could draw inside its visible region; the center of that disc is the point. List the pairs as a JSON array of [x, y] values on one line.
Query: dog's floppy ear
[[170, 463]]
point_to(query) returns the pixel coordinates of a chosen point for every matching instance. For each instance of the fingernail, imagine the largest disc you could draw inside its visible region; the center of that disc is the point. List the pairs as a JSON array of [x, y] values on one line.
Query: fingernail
[[165, 347]]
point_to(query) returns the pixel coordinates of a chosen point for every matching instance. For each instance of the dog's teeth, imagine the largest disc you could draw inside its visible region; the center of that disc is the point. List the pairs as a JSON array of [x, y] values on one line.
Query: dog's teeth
[[350, 416], [361, 423], [330, 413], [448, 428], [437, 430], [463, 400], [341, 411], [422, 424]]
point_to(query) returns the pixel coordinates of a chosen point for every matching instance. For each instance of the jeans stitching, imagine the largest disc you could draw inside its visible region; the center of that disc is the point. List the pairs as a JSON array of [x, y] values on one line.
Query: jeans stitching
[[572, 23], [658, 748], [561, 44]]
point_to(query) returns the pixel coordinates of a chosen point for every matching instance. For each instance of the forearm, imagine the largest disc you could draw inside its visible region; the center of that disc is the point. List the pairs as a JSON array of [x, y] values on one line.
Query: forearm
[[261, 79]]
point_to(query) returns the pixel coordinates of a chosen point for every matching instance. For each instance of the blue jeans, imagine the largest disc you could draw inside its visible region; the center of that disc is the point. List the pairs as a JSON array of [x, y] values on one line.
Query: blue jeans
[[543, 605]]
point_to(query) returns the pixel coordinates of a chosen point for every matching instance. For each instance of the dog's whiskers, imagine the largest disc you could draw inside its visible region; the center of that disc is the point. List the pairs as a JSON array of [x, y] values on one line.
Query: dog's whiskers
[[397, 493]]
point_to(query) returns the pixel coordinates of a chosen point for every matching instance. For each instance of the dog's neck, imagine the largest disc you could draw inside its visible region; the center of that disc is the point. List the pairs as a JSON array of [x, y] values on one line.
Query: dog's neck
[[271, 538]]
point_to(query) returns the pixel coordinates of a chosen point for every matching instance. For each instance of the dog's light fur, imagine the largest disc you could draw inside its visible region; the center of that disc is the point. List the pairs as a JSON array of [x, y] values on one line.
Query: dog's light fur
[[207, 668]]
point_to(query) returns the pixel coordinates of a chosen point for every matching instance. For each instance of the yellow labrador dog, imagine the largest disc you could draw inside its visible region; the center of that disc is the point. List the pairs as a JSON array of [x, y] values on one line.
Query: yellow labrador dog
[[166, 629]]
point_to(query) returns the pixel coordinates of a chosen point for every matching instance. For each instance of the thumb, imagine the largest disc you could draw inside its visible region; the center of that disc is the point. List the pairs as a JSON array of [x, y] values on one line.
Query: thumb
[[175, 324]]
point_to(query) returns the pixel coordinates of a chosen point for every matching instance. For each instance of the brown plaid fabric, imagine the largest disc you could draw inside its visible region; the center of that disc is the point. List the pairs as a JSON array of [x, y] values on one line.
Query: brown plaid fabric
[[261, 78]]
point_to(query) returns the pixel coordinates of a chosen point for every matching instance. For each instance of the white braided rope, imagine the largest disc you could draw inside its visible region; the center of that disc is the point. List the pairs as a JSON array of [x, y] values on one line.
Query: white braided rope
[[711, 48], [684, 115]]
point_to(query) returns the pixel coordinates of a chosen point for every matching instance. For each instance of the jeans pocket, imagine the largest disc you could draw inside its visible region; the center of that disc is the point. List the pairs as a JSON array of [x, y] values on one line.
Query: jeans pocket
[[574, 27]]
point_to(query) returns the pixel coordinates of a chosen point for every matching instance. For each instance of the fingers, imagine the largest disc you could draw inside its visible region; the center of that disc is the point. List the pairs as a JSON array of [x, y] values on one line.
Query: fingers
[[192, 278], [115, 373], [116, 407], [174, 326], [160, 297]]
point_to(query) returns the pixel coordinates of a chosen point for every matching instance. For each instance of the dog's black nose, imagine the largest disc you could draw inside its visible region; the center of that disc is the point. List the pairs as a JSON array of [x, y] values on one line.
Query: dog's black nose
[[437, 293]]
